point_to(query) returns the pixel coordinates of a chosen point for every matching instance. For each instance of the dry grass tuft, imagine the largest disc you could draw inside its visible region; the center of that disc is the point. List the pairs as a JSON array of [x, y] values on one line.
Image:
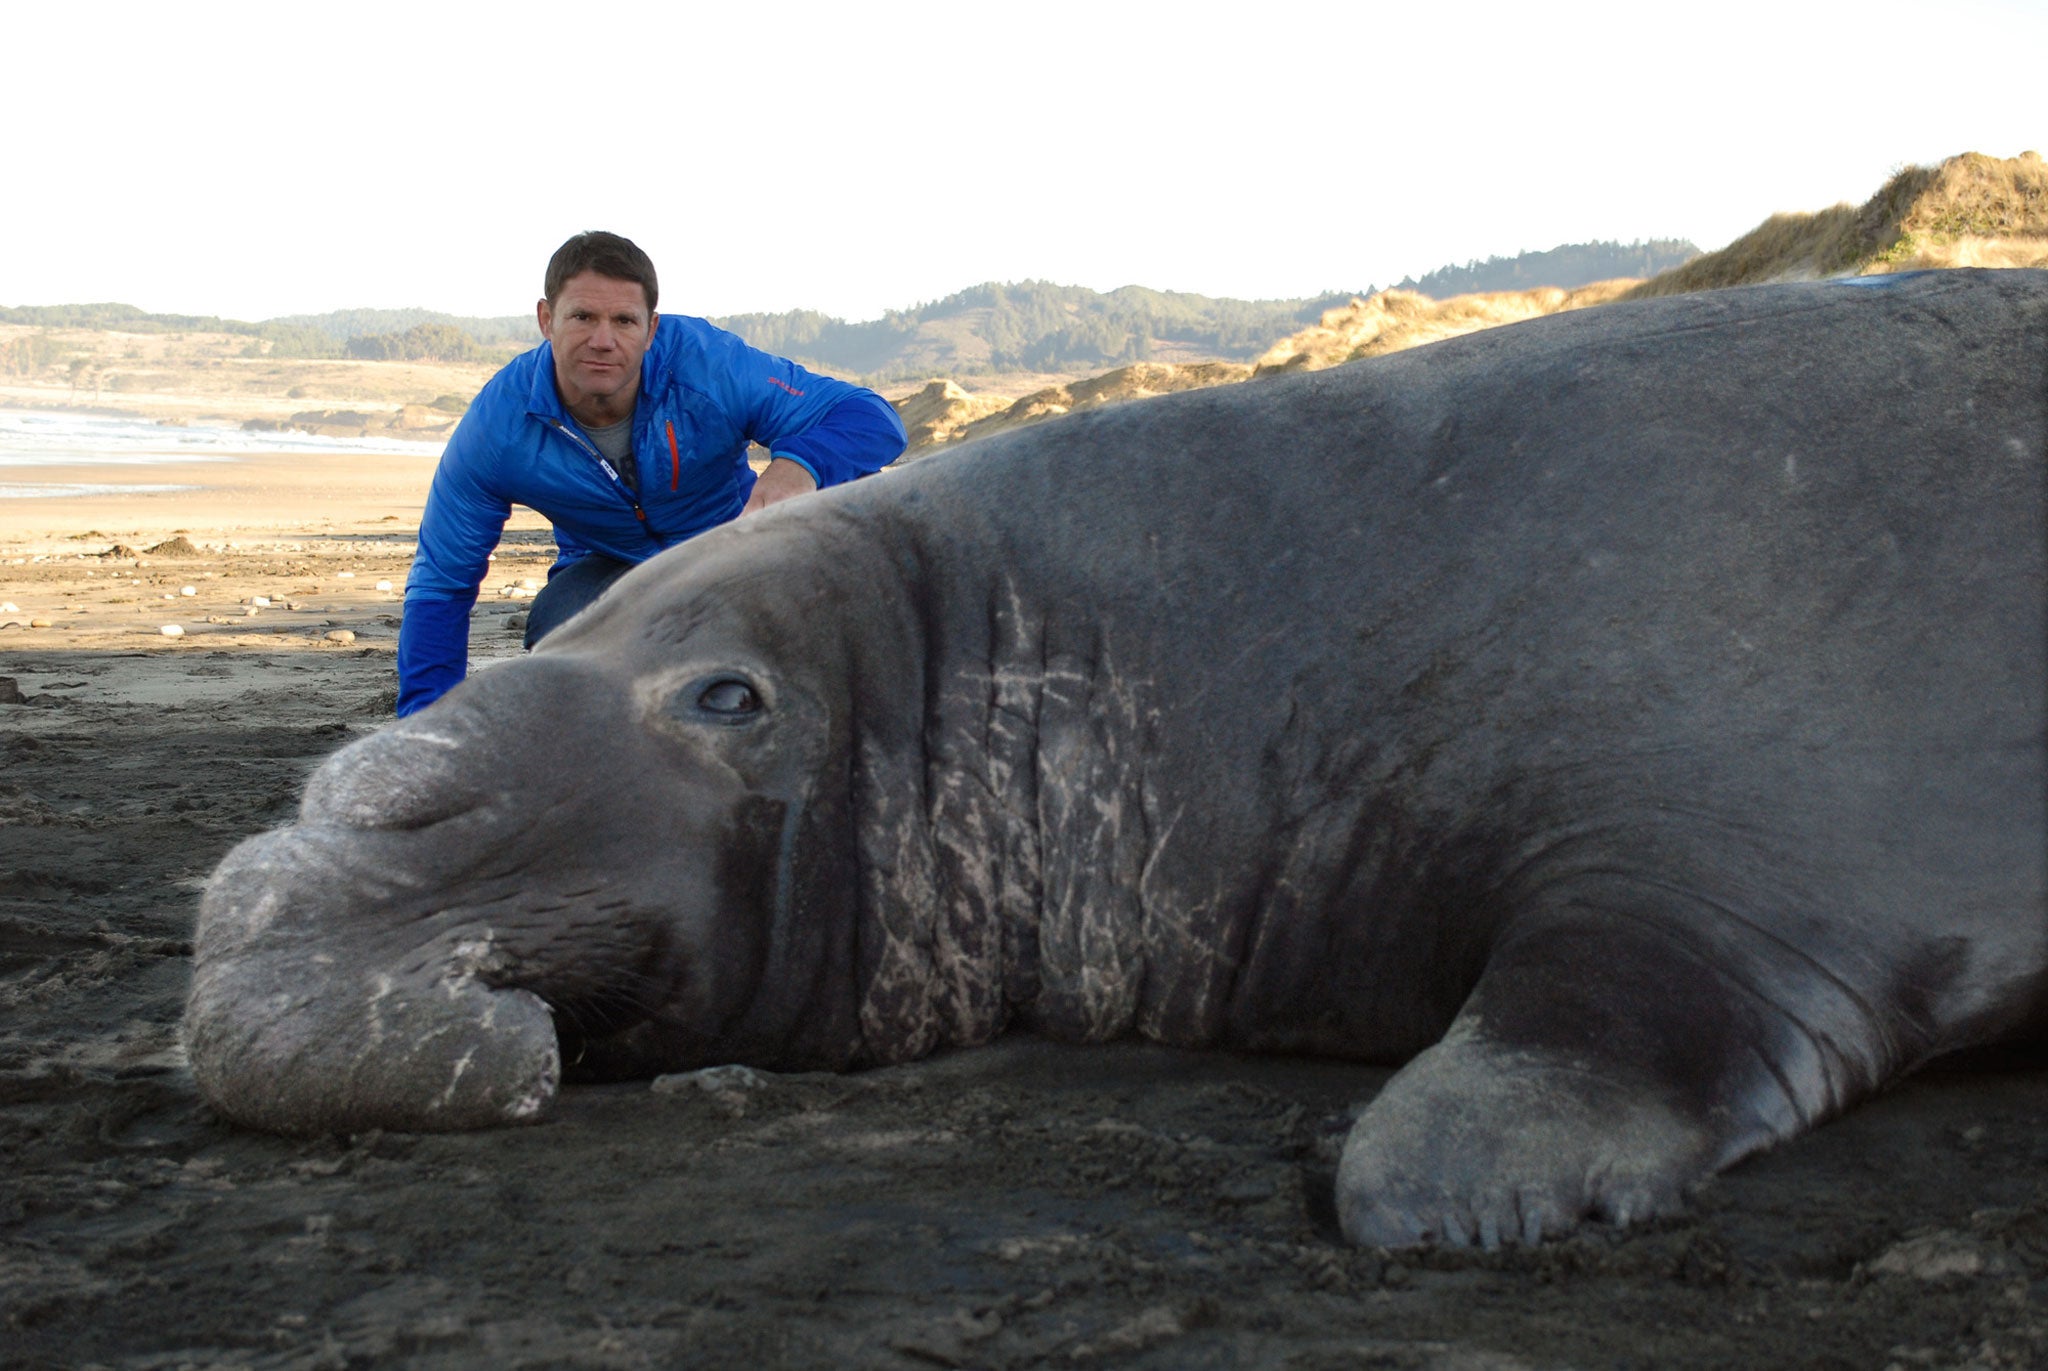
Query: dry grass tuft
[[1970, 210], [1125, 383], [1397, 319], [943, 413]]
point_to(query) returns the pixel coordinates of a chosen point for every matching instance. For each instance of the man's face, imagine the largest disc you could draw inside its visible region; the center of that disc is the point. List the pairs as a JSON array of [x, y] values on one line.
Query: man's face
[[599, 326]]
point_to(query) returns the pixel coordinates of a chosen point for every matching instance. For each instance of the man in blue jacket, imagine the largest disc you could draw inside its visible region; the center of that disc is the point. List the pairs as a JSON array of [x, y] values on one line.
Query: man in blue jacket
[[629, 431]]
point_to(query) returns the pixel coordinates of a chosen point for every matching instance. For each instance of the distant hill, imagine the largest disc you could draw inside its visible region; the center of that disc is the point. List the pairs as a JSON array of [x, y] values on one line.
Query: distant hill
[[1031, 326], [344, 324], [995, 327], [1043, 327], [374, 334], [1565, 268], [117, 316]]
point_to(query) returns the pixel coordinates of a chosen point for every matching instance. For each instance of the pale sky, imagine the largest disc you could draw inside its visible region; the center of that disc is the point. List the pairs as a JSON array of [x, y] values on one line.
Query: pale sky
[[257, 160]]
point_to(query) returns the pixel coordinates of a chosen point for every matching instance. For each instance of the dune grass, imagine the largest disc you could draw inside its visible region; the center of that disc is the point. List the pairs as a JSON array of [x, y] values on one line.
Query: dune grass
[[1970, 210]]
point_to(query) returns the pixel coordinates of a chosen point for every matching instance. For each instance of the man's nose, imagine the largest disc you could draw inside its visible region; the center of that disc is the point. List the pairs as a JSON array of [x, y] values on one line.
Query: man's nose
[[602, 337]]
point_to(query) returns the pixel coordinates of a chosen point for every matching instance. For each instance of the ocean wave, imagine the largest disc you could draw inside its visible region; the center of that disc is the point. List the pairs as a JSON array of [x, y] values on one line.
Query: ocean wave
[[46, 490], [30, 438]]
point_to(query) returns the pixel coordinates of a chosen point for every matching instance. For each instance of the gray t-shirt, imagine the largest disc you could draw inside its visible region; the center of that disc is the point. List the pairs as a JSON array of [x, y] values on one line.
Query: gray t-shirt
[[615, 441]]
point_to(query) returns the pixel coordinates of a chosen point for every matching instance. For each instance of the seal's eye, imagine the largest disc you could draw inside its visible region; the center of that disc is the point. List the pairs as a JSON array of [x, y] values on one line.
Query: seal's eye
[[729, 699]]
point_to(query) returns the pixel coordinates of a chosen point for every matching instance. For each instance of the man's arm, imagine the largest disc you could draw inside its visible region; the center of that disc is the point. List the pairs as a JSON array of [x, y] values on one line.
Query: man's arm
[[433, 650], [462, 522], [831, 430], [857, 437]]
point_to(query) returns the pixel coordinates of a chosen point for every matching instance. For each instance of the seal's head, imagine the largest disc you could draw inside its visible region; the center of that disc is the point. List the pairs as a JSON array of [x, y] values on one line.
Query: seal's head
[[614, 855]]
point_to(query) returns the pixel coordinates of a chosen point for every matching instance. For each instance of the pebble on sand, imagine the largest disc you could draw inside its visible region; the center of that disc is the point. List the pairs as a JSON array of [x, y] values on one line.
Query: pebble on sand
[[383, 585], [172, 631], [188, 590], [342, 635], [345, 575], [38, 623], [727, 1086], [9, 607], [710, 1079], [1939, 1256]]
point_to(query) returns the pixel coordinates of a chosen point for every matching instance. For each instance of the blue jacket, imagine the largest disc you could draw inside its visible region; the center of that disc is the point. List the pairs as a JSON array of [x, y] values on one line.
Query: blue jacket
[[704, 394]]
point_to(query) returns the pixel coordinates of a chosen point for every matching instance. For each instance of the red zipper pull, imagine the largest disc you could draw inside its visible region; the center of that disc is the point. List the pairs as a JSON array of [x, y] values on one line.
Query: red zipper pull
[[675, 458]]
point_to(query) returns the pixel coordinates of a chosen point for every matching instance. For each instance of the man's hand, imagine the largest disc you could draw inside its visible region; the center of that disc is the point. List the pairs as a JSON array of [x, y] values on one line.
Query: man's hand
[[782, 479]]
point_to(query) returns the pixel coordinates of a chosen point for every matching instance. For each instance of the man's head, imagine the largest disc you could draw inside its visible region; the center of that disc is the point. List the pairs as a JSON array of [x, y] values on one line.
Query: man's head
[[607, 254], [598, 314]]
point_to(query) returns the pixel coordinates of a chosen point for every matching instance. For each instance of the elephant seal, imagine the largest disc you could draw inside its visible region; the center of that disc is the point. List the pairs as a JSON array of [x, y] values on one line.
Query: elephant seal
[[1631, 719]]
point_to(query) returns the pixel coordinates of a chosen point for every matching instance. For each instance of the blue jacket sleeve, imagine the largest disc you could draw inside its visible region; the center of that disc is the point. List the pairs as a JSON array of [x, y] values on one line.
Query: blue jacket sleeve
[[857, 437], [433, 651], [835, 430], [462, 522]]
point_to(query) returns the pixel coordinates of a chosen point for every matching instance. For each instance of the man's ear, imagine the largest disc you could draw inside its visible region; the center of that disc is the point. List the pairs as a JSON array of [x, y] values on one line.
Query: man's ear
[[546, 317]]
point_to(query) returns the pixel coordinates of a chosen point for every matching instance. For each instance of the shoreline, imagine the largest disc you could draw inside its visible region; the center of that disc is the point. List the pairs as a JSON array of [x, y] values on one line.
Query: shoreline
[[222, 497], [279, 551], [275, 493]]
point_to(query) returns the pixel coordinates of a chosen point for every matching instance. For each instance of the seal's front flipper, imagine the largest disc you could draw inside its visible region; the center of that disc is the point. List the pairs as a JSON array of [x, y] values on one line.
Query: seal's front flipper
[[1599, 1070], [1479, 1143]]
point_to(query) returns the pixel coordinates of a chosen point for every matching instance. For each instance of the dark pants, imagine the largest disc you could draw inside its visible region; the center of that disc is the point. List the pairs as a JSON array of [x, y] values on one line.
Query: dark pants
[[569, 590]]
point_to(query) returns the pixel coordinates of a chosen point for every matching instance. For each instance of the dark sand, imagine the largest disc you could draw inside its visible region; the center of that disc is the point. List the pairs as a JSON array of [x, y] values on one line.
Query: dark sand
[[1023, 1205]]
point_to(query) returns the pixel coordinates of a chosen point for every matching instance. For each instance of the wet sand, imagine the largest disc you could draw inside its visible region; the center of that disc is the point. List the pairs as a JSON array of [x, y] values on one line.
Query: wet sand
[[1023, 1205]]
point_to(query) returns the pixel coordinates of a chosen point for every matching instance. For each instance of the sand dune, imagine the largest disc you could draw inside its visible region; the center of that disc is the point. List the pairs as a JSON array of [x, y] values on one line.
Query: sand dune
[[1968, 211]]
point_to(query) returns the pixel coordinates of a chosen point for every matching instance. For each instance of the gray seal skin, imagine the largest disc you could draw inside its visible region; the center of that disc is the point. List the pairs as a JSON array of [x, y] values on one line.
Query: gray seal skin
[[1633, 720]]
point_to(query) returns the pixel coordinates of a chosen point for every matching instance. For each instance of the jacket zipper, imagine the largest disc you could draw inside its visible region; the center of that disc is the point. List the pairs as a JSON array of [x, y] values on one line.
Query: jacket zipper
[[618, 481], [675, 458]]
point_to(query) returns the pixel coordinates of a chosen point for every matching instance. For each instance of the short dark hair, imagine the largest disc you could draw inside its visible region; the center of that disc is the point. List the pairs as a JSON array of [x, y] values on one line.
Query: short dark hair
[[607, 254]]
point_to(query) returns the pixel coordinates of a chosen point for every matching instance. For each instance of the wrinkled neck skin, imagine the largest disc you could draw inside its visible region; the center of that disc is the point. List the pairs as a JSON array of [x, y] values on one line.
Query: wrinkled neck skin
[[1042, 840], [1005, 832], [984, 827]]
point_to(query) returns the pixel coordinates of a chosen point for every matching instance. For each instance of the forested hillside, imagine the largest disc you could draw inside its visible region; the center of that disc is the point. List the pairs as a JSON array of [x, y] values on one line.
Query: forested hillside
[[995, 327], [1567, 268], [1032, 326], [377, 335]]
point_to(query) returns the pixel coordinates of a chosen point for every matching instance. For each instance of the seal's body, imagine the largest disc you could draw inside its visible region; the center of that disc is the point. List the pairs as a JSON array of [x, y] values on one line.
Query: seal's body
[[1638, 714]]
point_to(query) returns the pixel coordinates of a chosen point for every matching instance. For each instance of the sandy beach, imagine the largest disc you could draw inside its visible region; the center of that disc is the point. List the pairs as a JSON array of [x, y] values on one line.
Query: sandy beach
[[1024, 1205], [263, 495], [304, 540]]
